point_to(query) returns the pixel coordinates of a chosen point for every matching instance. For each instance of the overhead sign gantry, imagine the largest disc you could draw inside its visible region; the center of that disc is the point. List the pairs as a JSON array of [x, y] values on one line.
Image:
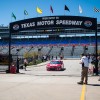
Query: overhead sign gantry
[[48, 22]]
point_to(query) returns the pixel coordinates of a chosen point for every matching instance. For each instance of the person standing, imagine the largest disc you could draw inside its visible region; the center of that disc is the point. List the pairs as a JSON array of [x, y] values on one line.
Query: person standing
[[99, 67], [84, 73], [17, 65], [25, 63], [56, 57]]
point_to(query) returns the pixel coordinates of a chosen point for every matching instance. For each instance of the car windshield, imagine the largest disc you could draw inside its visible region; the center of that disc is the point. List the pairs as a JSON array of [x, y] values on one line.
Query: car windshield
[[55, 62]]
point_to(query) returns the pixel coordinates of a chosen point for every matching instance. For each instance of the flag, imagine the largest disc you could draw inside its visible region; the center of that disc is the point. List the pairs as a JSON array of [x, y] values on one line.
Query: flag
[[13, 15], [25, 12], [66, 8], [51, 9], [80, 9], [39, 10], [96, 10]]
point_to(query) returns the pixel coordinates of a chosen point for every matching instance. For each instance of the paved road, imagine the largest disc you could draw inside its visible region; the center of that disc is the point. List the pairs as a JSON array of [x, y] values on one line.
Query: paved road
[[38, 84]]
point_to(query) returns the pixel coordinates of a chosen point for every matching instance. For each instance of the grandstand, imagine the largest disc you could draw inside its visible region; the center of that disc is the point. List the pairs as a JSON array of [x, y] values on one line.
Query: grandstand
[[74, 41], [51, 36]]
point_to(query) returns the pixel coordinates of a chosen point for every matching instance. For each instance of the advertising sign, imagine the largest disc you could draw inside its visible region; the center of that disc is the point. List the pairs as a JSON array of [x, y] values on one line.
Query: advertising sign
[[53, 22]]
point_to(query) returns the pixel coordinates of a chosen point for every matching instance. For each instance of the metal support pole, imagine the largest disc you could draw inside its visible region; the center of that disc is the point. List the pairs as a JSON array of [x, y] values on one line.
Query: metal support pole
[[9, 52], [17, 62], [96, 49]]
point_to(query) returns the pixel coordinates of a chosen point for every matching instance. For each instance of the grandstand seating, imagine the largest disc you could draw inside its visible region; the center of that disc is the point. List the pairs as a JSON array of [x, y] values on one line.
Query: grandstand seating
[[67, 51], [46, 41], [78, 50], [45, 50], [55, 51], [51, 46]]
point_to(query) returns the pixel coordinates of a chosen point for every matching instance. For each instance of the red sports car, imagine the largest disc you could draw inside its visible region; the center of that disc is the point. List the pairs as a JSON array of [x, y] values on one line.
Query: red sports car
[[55, 65]]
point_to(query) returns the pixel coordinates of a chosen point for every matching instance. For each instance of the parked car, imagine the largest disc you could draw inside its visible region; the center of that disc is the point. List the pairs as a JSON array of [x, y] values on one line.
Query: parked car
[[55, 65]]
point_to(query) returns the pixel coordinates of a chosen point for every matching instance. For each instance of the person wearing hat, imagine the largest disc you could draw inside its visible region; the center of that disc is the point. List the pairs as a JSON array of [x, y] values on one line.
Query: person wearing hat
[[84, 73]]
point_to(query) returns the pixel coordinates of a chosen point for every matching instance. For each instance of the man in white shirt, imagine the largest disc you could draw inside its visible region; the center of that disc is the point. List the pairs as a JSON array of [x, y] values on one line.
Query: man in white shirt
[[85, 65]]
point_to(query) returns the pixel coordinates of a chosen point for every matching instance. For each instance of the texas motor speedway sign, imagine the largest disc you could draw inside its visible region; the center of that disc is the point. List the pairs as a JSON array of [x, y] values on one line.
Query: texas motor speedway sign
[[53, 22]]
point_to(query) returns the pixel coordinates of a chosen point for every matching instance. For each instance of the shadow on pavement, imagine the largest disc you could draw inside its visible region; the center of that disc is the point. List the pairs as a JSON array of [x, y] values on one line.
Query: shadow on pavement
[[94, 84], [57, 75]]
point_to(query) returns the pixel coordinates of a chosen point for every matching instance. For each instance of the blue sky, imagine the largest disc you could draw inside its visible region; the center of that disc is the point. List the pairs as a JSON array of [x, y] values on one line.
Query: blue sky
[[18, 7]]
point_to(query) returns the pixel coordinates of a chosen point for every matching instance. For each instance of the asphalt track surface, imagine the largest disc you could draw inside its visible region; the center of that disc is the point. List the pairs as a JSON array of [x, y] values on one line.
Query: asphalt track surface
[[38, 84]]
